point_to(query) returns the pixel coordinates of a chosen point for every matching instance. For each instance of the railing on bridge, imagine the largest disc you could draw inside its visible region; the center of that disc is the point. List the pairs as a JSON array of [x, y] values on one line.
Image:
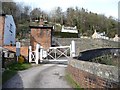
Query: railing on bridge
[[52, 54]]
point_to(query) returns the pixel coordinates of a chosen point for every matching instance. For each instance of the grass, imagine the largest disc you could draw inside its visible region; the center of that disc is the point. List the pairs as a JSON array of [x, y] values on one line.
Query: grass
[[19, 66], [72, 82], [12, 70]]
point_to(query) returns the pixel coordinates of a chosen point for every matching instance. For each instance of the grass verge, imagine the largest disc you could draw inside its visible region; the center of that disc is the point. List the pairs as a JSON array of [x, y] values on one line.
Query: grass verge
[[7, 75], [72, 82], [19, 66], [12, 70]]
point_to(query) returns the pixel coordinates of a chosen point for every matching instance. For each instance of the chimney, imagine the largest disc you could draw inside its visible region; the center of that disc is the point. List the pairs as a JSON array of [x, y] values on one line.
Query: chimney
[[41, 23]]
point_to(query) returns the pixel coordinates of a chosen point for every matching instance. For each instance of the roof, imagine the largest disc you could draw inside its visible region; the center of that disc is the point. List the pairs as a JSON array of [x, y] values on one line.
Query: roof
[[23, 50], [69, 29]]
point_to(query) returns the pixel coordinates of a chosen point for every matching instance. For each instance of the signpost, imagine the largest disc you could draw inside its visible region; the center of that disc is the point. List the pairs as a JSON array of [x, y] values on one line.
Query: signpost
[[17, 49]]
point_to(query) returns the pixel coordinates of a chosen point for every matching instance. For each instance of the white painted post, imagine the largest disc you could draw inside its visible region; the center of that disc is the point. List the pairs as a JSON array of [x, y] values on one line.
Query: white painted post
[[30, 53], [41, 53], [18, 45], [70, 51], [37, 53], [73, 48]]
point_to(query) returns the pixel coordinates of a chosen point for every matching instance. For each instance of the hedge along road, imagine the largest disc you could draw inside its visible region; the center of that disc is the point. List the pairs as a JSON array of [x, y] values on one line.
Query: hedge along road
[[44, 76]]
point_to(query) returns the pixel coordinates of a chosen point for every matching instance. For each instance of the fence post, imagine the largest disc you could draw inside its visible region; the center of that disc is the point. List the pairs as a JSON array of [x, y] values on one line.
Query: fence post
[[30, 53], [72, 48]]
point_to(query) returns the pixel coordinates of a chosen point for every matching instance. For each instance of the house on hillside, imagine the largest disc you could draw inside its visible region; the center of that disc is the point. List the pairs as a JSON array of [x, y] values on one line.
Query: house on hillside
[[116, 38], [7, 30], [99, 35], [69, 29]]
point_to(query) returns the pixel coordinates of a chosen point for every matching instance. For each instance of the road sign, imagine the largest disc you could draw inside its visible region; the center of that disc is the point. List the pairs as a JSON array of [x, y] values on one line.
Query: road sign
[[18, 48], [18, 45], [17, 51]]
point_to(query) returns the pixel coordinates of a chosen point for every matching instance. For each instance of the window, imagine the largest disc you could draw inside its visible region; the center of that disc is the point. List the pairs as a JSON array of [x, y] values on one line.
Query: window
[[11, 42], [10, 28]]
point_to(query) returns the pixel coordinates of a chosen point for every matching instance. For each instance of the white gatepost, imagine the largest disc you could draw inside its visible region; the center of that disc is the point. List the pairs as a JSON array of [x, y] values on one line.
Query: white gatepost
[[72, 48], [30, 53], [70, 51], [37, 53], [41, 53], [18, 45]]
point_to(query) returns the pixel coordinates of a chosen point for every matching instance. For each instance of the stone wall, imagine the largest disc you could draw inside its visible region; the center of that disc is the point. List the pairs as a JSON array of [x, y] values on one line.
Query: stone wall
[[83, 44], [93, 75]]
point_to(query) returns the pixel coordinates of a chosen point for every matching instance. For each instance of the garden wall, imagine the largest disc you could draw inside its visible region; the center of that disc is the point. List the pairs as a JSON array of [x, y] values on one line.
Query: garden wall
[[93, 75]]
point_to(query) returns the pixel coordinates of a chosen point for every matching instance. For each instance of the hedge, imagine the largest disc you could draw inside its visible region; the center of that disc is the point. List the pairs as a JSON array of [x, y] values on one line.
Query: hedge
[[65, 35]]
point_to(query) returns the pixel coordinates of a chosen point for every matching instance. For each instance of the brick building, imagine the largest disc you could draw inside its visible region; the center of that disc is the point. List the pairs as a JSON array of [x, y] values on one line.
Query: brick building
[[41, 34], [7, 30], [8, 34]]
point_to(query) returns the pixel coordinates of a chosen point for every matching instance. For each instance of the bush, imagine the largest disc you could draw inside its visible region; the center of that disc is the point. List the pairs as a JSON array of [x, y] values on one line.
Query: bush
[[65, 35], [105, 59], [21, 59]]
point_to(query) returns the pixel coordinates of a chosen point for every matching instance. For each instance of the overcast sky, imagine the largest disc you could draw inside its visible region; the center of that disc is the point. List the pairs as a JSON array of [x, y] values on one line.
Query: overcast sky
[[106, 7]]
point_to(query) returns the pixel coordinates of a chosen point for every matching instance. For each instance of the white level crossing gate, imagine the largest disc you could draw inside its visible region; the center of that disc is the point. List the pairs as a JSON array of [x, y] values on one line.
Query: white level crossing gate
[[55, 53], [60, 53]]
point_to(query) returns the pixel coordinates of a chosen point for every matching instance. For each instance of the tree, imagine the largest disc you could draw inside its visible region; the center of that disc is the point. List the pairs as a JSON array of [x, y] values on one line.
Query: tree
[[57, 15], [70, 14], [85, 21], [35, 13]]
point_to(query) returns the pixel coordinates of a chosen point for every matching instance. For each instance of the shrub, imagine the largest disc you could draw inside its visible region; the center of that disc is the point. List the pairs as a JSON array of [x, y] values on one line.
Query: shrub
[[21, 59]]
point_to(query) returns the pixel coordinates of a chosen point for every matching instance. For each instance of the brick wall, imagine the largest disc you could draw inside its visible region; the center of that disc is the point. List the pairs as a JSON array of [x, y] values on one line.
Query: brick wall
[[41, 36], [93, 75], [2, 21]]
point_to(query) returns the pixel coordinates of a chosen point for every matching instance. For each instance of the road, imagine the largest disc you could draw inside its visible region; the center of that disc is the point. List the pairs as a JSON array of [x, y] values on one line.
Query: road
[[42, 76]]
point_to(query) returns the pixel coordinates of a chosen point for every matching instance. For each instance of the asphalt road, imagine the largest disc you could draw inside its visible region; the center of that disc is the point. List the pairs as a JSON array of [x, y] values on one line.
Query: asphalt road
[[42, 76]]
